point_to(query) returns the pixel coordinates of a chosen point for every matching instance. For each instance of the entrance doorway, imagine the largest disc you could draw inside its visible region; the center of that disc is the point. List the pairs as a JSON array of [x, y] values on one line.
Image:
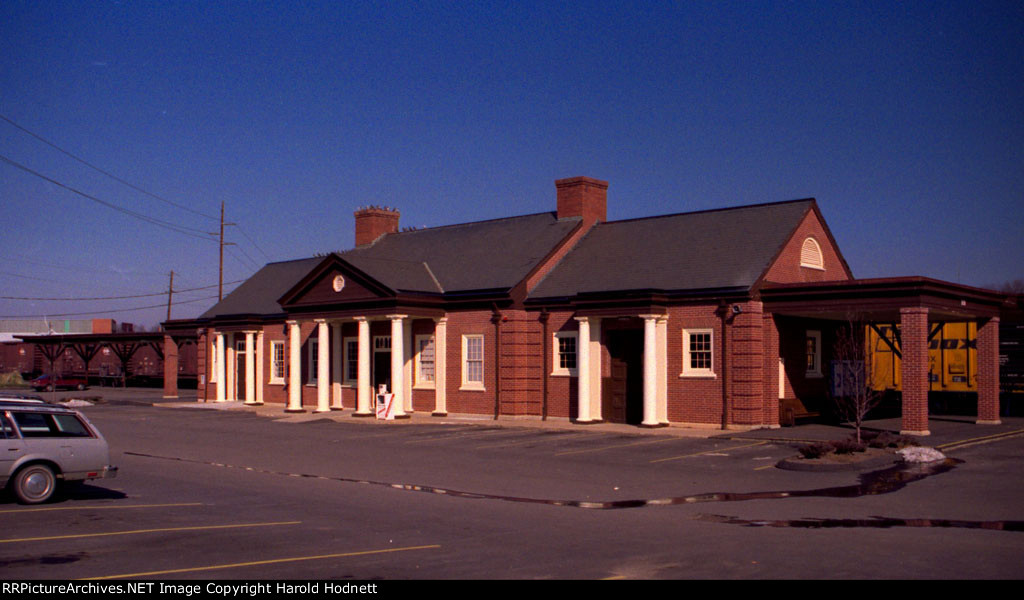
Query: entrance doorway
[[381, 362], [623, 393], [240, 369]]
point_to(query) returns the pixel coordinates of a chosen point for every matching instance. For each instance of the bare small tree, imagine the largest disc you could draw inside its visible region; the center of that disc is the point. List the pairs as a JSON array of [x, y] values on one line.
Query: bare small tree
[[851, 390]]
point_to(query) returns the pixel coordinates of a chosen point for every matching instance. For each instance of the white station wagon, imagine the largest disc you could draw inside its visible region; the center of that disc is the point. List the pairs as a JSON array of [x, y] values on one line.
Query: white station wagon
[[44, 445]]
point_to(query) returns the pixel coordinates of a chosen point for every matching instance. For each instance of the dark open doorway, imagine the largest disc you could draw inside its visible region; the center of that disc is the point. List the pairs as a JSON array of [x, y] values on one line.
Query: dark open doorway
[[623, 393]]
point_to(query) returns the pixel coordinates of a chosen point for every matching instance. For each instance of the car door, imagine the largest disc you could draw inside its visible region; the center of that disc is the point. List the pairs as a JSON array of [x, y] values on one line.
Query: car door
[[13, 447], [61, 438]]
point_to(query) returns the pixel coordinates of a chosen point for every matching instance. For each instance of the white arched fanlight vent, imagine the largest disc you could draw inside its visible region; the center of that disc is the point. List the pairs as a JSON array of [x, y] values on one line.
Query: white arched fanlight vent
[[810, 255]]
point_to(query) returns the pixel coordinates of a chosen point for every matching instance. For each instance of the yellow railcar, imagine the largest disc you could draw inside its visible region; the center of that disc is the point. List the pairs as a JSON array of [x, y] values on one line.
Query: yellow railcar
[[952, 357]]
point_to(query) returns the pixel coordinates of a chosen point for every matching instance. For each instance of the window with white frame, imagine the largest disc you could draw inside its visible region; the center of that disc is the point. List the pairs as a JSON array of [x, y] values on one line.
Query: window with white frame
[[425, 361], [564, 347], [277, 361], [350, 347], [813, 353], [473, 362], [314, 360], [698, 353]]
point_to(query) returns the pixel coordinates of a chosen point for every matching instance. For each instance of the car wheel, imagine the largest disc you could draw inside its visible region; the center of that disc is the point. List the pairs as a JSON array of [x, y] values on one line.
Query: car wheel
[[49, 388], [34, 484], [80, 387]]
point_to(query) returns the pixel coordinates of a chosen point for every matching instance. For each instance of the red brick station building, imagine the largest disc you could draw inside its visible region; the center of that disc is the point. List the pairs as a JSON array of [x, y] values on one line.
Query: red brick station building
[[702, 319]]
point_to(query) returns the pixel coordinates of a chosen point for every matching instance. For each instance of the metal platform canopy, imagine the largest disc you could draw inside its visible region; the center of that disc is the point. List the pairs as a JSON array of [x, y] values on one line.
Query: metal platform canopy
[[919, 306], [124, 345]]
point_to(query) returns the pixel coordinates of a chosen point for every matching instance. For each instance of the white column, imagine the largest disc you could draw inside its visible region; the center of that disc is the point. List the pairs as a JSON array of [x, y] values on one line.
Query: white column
[[250, 368], [583, 371], [323, 367], [407, 366], [441, 367], [221, 372], [294, 368], [363, 393], [662, 328], [259, 366], [397, 362], [230, 364], [595, 369], [336, 367], [650, 371]]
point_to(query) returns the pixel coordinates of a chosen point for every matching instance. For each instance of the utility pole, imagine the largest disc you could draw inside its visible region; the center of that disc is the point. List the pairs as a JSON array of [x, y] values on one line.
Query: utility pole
[[170, 293], [220, 279]]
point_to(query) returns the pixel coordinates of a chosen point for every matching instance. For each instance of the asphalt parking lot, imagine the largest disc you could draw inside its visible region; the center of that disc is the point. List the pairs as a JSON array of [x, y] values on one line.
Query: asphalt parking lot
[[235, 495]]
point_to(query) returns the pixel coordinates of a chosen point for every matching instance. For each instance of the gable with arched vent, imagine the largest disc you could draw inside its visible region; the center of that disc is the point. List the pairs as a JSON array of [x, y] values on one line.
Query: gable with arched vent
[[809, 255]]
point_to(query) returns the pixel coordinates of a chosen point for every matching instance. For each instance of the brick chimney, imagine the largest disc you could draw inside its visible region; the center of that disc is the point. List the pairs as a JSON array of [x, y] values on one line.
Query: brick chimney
[[373, 222], [582, 197]]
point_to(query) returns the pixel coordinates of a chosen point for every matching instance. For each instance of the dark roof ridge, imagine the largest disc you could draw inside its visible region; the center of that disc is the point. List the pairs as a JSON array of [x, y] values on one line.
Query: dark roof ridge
[[711, 210], [290, 260], [452, 225]]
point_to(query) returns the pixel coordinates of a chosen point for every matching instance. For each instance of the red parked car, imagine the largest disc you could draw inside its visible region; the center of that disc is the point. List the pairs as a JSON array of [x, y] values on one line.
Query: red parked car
[[49, 383]]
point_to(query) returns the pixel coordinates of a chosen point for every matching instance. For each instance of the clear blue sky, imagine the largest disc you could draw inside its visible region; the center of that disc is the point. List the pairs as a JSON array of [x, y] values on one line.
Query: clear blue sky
[[905, 120]]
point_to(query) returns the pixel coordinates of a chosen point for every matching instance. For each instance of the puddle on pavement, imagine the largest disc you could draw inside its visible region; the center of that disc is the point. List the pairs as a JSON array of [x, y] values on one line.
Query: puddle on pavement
[[872, 522], [49, 559], [884, 481]]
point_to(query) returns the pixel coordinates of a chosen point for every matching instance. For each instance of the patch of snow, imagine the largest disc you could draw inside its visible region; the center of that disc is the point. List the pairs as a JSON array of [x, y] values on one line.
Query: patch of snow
[[920, 454], [74, 402]]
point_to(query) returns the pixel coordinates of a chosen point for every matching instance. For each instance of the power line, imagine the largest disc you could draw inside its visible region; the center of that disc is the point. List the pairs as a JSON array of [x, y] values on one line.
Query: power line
[[110, 175], [205, 287], [158, 222], [252, 241], [102, 312], [21, 258]]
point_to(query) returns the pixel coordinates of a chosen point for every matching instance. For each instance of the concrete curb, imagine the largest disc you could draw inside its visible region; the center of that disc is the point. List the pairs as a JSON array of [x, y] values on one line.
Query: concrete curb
[[797, 463]]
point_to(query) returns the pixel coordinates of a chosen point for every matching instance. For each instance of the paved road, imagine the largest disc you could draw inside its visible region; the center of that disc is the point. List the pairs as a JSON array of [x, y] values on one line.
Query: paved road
[[228, 494]]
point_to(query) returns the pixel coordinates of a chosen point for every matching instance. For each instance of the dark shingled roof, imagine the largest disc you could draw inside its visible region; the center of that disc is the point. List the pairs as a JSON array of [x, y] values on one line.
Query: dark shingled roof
[[258, 295], [485, 255], [715, 249]]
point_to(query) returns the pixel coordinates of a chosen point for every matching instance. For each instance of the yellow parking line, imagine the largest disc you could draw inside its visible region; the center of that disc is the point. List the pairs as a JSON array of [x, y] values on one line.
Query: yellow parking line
[[707, 451], [453, 436], [266, 562], [764, 467], [654, 441], [613, 578], [131, 532], [101, 507], [532, 438], [983, 438]]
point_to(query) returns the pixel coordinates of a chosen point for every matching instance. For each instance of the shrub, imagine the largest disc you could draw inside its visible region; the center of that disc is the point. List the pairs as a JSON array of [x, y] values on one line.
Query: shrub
[[11, 379], [848, 446], [816, 450]]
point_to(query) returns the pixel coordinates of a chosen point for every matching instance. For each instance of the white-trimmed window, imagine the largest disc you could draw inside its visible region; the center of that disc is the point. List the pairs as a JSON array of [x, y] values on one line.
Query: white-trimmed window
[[565, 353], [698, 353], [350, 366], [813, 353], [314, 360], [277, 361], [425, 361], [473, 362], [810, 255]]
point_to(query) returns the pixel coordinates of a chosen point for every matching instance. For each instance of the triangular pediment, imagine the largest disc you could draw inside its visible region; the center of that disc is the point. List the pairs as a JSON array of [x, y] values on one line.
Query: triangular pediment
[[334, 281]]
